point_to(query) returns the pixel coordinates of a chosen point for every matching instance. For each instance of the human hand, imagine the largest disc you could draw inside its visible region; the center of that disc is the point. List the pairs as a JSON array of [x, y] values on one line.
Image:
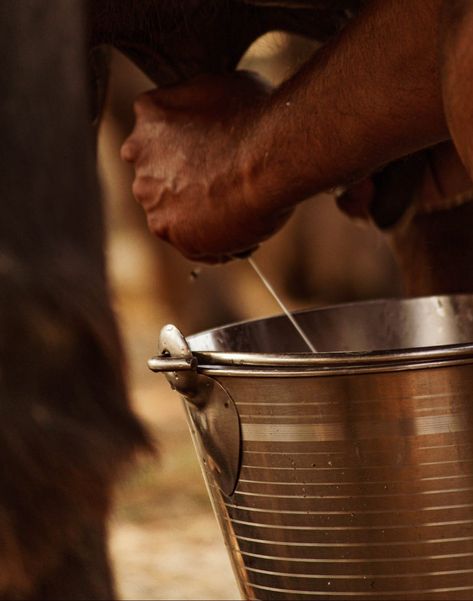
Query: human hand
[[423, 204], [197, 169]]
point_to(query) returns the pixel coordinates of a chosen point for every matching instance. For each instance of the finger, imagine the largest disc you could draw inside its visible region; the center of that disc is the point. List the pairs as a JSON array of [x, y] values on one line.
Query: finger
[[129, 150], [148, 106], [146, 191], [205, 90], [199, 91], [137, 149], [159, 225], [145, 108]]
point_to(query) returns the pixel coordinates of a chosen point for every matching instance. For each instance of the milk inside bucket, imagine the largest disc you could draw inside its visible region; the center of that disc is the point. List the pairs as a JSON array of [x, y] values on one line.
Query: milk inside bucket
[[341, 474]]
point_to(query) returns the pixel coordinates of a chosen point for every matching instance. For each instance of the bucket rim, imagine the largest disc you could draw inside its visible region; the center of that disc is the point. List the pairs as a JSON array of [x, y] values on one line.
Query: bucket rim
[[263, 364], [215, 362]]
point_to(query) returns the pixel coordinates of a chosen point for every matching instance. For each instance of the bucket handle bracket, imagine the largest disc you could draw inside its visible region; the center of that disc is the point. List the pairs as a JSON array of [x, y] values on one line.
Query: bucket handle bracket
[[213, 416]]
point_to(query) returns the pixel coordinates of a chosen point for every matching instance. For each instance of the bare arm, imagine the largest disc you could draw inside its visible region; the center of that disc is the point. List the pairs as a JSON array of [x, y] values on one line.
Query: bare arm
[[245, 158], [370, 96]]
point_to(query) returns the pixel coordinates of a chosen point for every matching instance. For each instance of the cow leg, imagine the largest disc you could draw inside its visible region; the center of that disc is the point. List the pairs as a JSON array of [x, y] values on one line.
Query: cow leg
[[86, 566], [65, 424]]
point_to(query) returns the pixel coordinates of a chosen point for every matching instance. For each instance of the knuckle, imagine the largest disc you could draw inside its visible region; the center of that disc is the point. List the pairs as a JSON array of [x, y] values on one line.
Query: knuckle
[[157, 226], [129, 151], [142, 188], [141, 104], [147, 105]]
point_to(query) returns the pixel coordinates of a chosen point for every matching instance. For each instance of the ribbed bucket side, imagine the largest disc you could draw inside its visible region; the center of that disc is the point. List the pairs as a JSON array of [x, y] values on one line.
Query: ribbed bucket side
[[357, 486]]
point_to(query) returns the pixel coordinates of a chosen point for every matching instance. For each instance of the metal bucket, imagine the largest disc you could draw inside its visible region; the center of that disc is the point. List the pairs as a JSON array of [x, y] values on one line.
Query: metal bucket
[[346, 474]]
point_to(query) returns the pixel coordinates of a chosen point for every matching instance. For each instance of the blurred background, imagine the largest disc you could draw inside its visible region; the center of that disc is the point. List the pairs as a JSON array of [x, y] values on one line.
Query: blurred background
[[165, 543]]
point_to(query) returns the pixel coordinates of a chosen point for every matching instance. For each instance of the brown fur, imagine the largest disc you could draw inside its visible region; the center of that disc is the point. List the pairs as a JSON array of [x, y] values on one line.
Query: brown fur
[[66, 428]]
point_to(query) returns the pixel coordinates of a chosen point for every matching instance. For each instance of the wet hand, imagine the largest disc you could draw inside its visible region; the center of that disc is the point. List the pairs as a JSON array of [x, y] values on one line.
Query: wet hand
[[194, 154]]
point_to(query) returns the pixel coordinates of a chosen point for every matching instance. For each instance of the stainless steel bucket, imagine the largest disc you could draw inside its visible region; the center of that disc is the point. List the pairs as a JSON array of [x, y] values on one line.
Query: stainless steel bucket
[[346, 474]]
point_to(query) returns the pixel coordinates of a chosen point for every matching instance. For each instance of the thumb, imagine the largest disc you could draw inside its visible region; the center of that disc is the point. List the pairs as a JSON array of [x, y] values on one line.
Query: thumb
[[207, 90]]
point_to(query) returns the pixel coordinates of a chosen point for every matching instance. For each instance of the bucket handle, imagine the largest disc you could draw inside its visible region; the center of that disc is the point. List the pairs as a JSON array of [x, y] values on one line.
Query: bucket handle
[[165, 363], [174, 352]]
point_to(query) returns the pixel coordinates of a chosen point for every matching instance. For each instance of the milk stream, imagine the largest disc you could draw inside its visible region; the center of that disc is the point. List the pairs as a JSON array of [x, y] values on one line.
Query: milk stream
[[288, 314]]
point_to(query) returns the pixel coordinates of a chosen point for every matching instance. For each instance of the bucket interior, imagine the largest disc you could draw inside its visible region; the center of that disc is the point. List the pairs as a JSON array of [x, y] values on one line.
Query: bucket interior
[[381, 325]]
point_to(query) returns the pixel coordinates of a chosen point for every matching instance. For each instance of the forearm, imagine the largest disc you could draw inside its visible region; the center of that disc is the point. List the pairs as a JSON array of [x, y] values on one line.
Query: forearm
[[370, 96]]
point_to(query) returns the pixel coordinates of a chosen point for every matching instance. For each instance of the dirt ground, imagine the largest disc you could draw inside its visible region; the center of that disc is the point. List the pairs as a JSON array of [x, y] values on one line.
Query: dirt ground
[[165, 542]]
